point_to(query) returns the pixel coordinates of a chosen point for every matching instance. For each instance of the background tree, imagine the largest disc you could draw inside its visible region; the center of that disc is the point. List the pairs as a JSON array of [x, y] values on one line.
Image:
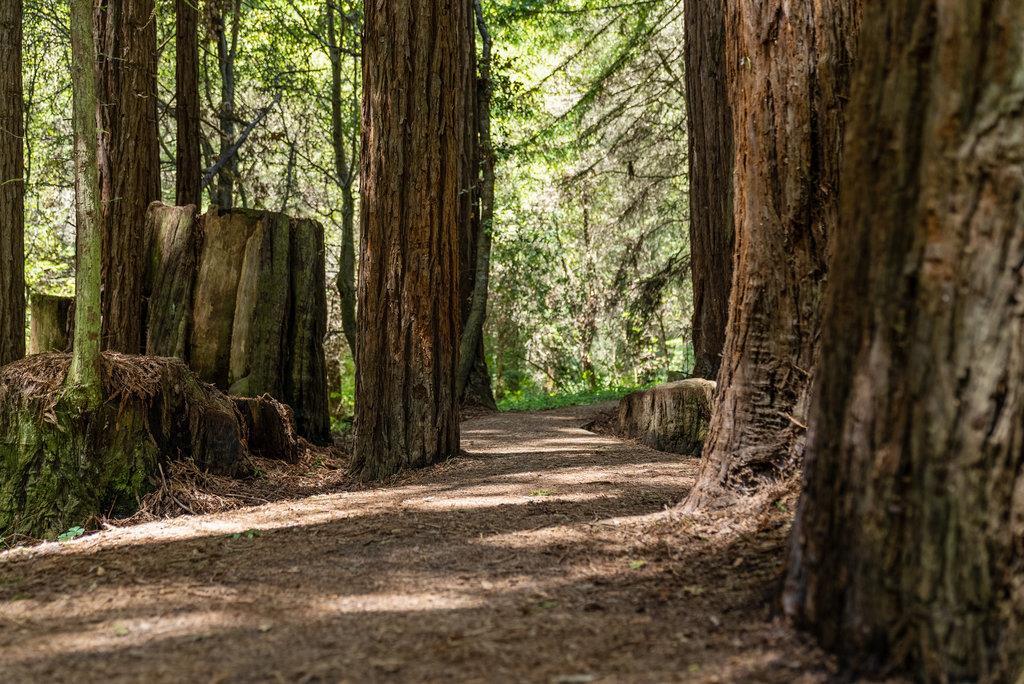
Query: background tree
[[914, 457], [787, 96], [416, 67], [12, 186], [473, 378], [188, 158], [709, 122], [129, 160]]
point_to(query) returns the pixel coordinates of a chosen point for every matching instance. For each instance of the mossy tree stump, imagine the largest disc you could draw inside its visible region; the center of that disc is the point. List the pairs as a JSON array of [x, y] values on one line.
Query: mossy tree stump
[[52, 323], [61, 466]]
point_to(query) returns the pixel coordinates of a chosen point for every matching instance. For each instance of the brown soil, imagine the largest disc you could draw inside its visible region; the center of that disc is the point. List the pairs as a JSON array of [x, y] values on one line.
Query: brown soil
[[545, 554]]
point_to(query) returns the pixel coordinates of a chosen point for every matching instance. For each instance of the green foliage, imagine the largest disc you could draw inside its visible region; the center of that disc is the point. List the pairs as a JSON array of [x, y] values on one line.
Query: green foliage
[[72, 533], [541, 401]]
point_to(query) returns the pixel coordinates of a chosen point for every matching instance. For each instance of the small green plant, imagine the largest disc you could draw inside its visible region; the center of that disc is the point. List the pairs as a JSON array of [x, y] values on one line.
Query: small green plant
[[637, 564], [73, 533], [542, 492], [248, 534]]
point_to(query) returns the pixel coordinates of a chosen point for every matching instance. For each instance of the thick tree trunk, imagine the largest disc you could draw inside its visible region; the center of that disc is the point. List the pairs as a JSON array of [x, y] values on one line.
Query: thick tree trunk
[[711, 164], [12, 186], [789, 66], [52, 325], [129, 161], [908, 546], [473, 379], [188, 161], [416, 71]]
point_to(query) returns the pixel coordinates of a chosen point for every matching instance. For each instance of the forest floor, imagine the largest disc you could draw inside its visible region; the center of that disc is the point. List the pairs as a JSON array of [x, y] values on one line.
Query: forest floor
[[545, 553]]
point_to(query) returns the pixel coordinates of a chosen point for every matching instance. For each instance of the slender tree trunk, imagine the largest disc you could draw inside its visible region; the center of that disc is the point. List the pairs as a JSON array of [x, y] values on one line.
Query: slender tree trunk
[[129, 160], [227, 48], [908, 547], [474, 380], [416, 66], [789, 67], [711, 164], [83, 379], [12, 186], [189, 161], [345, 171]]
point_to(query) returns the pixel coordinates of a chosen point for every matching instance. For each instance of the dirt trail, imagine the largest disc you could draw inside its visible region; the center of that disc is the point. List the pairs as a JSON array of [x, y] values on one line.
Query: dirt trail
[[545, 554]]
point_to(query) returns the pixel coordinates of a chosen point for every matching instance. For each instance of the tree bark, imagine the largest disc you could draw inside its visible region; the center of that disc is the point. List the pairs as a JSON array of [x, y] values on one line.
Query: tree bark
[[12, 185], [416, 71], [473, 378], [907, 551], [83, 379], [710, 139], [788, 72], [129, 160], [174, 237], [188, 160]]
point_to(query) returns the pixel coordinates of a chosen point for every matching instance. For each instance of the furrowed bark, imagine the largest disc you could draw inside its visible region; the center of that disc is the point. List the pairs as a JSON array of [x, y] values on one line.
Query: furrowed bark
[[907, 552], [789, 67], [416, 70], [710, 139], [12, 185], [129, 161], [188, 160]]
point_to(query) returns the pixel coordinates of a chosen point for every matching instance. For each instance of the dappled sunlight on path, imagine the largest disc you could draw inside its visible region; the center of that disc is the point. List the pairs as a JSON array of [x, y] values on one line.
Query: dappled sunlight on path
[[541, 554]]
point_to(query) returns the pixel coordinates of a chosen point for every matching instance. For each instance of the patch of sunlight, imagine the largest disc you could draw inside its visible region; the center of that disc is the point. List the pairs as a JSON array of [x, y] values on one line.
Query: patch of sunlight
[[432, 503], [393, 603], [560, 534], [128, 632]]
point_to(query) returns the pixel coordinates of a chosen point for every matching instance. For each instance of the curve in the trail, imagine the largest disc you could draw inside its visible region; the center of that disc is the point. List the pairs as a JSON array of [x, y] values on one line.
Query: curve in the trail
[[537, 556]]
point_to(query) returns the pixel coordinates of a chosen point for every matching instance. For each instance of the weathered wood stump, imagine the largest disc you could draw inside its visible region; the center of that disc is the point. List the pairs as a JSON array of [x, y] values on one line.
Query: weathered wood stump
[[60, 466], [52, 323], [270, 428], [672, 417], [254, 287]]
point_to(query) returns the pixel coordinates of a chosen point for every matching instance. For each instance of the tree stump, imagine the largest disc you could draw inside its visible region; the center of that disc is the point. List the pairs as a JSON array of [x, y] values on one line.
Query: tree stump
[[256, 302], [63, 467], [52, 323], [270, 428], [672, 417]]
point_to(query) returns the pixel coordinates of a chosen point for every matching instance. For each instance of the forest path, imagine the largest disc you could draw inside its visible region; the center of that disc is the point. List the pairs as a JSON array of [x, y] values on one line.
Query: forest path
[[547, 553]]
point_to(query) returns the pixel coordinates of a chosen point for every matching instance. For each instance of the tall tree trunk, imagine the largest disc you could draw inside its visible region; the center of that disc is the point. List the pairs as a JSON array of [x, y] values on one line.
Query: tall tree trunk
[[474, 380], [789, 67], [345, 171], [83, 379], [908, 546], [129, 160], [189, 161], [12, 186], [711, 164], [416, 66], [227, 47]]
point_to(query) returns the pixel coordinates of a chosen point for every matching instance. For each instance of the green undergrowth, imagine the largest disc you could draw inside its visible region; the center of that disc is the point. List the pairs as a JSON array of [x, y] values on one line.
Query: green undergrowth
[[541, 401]]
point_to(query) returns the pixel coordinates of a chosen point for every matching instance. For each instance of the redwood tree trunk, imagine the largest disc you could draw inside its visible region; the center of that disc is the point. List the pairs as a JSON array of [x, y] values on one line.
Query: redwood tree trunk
[[909, 545], [129, 161], [12, 186], [711, 164], [188, 158], [415, 74], [788, 72]]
